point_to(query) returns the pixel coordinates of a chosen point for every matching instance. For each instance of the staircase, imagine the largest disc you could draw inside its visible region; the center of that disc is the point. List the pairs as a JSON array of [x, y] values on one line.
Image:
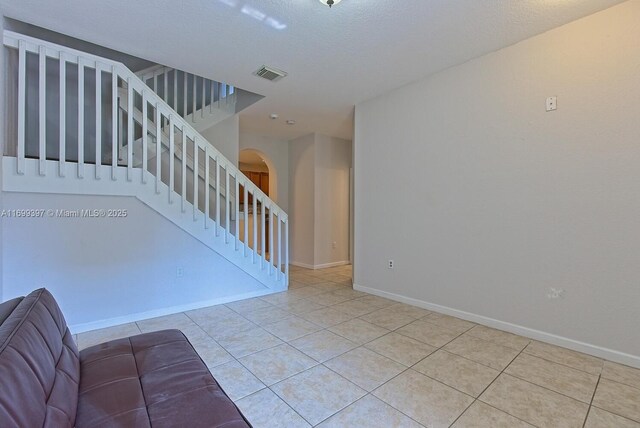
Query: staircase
[[89, 125], [201, 102]]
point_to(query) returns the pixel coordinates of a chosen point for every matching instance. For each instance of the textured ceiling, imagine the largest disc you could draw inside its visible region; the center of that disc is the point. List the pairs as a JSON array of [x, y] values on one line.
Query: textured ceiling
[[335, 57]]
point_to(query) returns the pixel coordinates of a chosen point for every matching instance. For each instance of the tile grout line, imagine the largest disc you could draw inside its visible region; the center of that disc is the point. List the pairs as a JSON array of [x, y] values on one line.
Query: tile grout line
[[411, 368], [591, 403], [636, 421], [549, 389], [281, 380], [531, 383], [366, 393], [562, 364], [494, 380], [283, 400], [544, 387], [369, 394], [636, 387], [338, 374]]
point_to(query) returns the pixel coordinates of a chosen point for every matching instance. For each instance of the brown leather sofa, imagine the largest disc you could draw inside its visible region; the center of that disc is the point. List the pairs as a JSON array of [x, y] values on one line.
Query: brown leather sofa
[[154, 379]]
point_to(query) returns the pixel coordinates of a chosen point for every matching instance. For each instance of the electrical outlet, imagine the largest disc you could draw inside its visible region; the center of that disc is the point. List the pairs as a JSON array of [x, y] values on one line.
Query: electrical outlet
[[179, 272], [391, 264], [555, 293]]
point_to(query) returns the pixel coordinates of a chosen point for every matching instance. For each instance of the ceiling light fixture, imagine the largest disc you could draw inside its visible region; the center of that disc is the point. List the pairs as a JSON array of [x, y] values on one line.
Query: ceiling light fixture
[[330, 2], [291, 122]]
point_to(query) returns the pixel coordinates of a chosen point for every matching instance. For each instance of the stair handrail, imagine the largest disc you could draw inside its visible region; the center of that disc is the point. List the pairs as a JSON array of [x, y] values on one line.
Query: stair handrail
[[52, 50], [151, 70]]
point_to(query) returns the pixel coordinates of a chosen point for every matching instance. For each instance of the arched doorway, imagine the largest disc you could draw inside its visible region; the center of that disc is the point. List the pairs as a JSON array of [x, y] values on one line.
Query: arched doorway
[[260, 170]]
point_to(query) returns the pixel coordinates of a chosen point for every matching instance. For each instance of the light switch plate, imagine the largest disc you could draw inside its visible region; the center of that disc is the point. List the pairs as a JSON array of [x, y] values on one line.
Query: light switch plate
[[552, 103]]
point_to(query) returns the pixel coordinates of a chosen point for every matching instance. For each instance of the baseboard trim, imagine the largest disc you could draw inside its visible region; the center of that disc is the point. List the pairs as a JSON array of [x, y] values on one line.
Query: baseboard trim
[[110, 322], [302, 265], [587, 348], [321, 266]]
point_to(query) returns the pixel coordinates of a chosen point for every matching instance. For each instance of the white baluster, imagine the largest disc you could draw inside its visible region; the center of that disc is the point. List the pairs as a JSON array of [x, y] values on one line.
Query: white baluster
[[204, 98], [130, 135], [245, 212], [184, 78], [98, 120], [62, 139], [42, 103], [227, 205], [80, 118], [263, 213], [255, 226], [218, 195], [171, 158], [184, 169], [145, 136], [195, 97], [212, 86], [207, 186], [165, 93], [22, 96], [237, 208], [279, 265], [196, 177], [158, 148], [286, 252], [175, 89], [121, 131], [271, 258], [114, 122]]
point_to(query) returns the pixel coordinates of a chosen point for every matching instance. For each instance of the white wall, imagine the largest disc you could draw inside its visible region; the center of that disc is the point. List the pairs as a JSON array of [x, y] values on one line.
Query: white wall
[[275, 151], [225, 136], [486, 200], [301, 200], [105, 271], [332, 164]]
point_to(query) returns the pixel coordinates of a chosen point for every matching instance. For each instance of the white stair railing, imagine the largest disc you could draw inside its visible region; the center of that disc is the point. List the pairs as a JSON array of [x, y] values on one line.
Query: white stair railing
[[193, 97], [101, 136]]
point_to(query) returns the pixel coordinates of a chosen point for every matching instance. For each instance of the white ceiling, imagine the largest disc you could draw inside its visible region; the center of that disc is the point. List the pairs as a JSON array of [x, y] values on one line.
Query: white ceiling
[[335, 57]]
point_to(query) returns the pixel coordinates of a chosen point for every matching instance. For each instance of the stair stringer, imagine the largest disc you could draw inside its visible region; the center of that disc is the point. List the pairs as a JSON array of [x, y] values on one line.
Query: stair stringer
[[189, 220]]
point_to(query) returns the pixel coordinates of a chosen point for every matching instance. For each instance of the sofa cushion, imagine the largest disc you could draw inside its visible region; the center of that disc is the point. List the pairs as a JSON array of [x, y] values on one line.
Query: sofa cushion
[[154, 379], [7, 307], [39, 365]]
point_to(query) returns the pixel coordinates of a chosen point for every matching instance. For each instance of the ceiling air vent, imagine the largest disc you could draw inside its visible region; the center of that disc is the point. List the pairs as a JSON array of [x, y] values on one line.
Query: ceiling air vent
[[272, 74]]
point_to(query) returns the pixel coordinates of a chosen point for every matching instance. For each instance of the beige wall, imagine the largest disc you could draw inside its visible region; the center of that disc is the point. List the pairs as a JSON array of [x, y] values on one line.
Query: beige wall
[[301, 200], [319, 196], [487, 200], [225, 136], [276, 152], [332, 164]]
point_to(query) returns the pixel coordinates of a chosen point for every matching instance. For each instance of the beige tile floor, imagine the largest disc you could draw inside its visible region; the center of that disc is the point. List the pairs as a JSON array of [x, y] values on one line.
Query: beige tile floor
[[322, 354]]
